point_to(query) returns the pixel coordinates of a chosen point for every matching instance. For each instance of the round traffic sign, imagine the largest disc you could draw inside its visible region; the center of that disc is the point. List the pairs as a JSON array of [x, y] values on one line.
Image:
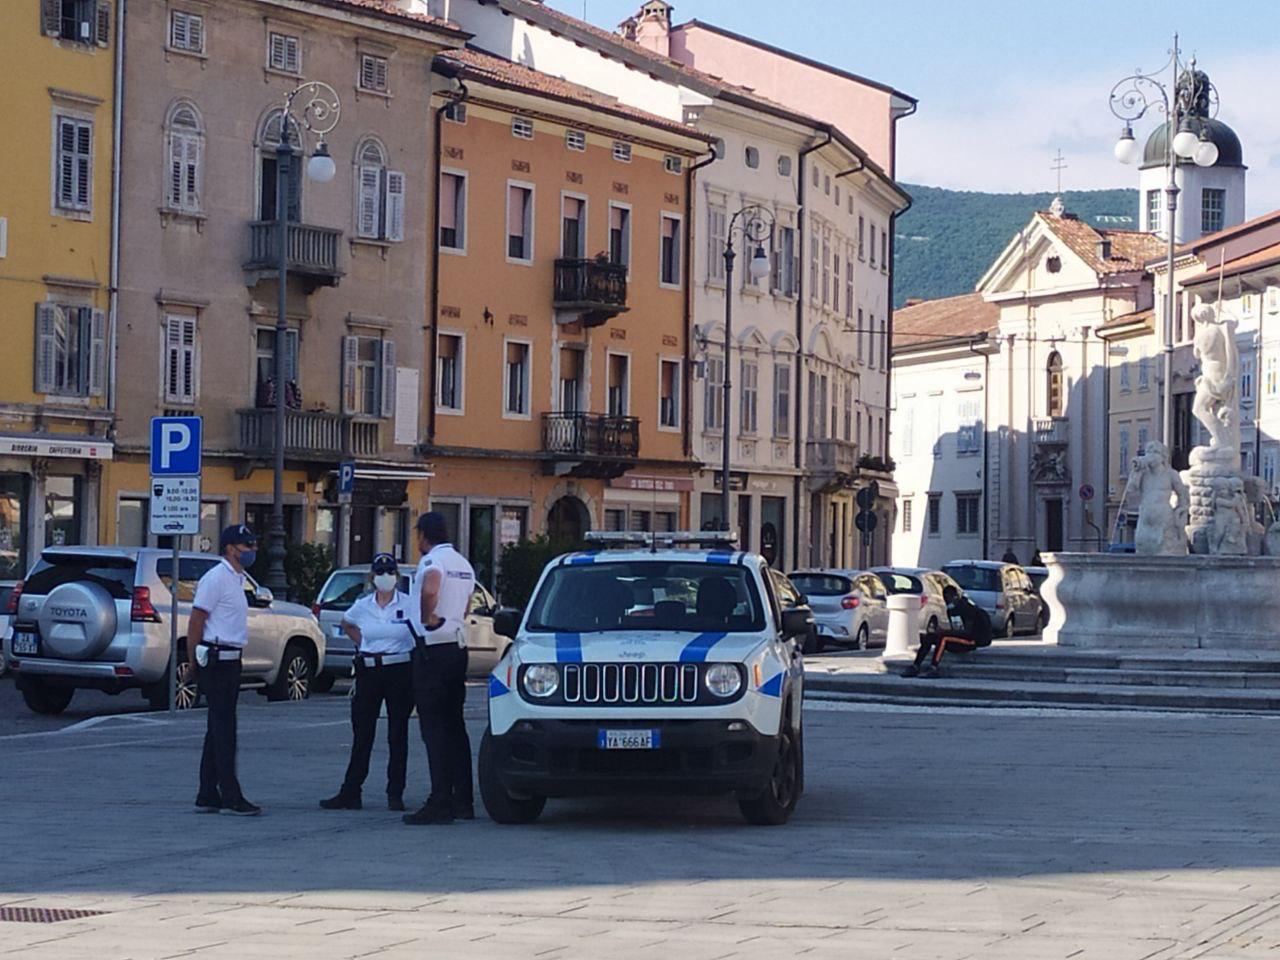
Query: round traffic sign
[[1086, 491], [865, 521]]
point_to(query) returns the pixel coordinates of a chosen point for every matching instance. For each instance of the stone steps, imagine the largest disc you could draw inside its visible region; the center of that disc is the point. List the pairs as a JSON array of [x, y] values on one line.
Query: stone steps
[[1123, 676]]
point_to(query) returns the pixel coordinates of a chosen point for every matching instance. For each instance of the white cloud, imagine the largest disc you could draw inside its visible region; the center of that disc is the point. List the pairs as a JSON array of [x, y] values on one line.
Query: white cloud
[[1005, 141]]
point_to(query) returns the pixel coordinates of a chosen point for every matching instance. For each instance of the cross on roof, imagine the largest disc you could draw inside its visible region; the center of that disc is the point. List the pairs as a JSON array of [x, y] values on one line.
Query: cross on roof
[[1059, 164]]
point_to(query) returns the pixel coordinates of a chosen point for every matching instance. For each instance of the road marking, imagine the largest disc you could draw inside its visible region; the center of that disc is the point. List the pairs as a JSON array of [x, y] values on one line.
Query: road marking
[[87, 724], [812, 702]]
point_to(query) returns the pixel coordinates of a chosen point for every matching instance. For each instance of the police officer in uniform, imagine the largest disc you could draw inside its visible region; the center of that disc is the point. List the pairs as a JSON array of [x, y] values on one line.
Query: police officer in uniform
[[216, 636], [378, 625], [439, 598]]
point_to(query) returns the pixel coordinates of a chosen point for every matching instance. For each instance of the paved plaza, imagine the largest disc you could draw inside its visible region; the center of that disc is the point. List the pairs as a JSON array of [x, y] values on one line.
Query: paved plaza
[[924, 834]]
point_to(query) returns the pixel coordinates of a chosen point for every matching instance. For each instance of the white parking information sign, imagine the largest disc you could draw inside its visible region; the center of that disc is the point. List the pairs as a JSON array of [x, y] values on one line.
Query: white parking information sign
[[175, 505]]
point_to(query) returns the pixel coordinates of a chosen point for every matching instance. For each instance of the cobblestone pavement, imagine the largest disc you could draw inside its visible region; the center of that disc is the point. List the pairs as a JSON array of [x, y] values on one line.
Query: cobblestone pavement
[[923, 834]]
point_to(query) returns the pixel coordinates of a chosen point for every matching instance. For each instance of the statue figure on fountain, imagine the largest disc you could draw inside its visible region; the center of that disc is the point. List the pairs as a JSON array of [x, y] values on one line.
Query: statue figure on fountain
[[1215, 402], [1162, 505]]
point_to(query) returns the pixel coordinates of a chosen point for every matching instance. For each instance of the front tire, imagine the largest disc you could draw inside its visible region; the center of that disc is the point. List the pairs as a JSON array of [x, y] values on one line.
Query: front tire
[[864, 637], [46, 700], [157, 694], [774, 805], [501, 806], [296, 675]]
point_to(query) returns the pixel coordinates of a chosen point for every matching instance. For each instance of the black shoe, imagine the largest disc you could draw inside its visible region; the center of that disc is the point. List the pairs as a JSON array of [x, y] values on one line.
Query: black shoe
[[464, 811], [208, 806], [342, 801], [911, 671], [930, 673], [395, 803], [242, 808], [428, 815]]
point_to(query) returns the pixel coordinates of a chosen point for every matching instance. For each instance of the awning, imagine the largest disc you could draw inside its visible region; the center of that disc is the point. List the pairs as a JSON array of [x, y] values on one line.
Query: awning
[[71, 446]]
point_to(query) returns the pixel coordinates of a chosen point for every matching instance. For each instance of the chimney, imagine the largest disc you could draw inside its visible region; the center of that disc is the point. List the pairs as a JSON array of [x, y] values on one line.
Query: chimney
[[1104, 248], [651, 27]]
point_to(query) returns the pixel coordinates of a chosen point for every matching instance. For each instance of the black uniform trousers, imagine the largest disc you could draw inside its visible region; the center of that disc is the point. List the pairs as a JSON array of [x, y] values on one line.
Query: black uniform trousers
[[219, 681], [391, 684], [440, 692]]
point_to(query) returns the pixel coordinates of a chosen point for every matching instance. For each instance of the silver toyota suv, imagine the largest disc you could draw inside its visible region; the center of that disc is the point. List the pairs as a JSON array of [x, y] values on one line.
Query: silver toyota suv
[[97, 618]]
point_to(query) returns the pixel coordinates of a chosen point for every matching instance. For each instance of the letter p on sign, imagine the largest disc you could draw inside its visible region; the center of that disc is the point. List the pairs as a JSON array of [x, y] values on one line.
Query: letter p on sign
[[175, 446]]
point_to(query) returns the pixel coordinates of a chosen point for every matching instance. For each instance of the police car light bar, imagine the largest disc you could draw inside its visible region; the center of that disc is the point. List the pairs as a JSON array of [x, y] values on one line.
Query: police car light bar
[[674, 538]]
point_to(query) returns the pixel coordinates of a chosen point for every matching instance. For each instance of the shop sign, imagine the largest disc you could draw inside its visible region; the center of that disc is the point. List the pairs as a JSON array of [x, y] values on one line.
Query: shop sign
[[52, 446], [652, 484]]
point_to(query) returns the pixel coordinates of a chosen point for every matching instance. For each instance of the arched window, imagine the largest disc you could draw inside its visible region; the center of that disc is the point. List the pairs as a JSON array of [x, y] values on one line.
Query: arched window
[[1055, 396], [268, 142], [380, 194], [184, 156]]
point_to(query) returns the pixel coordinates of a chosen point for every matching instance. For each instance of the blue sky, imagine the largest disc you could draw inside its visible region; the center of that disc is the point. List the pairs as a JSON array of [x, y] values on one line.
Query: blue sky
[[1003, 85]]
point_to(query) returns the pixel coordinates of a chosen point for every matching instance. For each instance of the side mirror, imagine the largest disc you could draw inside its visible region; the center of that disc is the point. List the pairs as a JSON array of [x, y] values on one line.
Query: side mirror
[[803, 600], [506, 622], [262, 597], [795, 623]]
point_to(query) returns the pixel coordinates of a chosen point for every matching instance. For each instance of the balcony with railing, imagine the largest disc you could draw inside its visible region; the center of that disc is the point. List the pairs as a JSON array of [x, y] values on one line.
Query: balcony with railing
[[592, 291], [1050, 430], [831, 463], [312, 253], [590, 444], [308, 434]]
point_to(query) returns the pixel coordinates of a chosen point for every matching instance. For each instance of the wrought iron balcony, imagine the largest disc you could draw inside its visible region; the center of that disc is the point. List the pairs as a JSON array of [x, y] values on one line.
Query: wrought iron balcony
[[831, 463], [590, 444], [308, 434], [312, 253], [594, 289]]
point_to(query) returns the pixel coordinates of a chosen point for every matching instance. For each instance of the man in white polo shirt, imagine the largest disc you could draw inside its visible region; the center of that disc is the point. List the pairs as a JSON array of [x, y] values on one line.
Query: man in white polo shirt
[[438, 601], [216, 637], [378, 625]]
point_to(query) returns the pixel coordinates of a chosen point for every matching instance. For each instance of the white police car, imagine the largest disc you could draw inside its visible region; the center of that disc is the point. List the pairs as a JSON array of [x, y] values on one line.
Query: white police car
[[661, 663]]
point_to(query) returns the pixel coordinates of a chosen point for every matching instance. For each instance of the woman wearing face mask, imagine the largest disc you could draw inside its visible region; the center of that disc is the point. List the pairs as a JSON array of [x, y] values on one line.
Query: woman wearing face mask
[[378, 625]]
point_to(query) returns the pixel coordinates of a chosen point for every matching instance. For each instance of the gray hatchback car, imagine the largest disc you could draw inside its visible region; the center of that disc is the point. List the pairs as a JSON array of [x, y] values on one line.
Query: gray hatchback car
[[97, 618], [1003, 590]]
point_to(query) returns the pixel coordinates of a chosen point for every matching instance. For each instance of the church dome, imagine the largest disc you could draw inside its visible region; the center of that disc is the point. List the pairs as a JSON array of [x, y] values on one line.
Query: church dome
[[1224, 138]]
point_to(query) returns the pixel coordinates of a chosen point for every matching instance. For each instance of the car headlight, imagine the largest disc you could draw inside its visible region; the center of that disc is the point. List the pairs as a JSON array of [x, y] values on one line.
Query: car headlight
[[723, 679], [541, 680]]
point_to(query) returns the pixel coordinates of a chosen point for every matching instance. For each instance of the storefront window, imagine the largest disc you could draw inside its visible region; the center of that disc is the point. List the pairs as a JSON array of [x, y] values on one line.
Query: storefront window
[[13, 496], [131, 522], [712, 515], [514, 527], [391, 535], [327, 529], [61, 515], [452, 513], [206, 541]]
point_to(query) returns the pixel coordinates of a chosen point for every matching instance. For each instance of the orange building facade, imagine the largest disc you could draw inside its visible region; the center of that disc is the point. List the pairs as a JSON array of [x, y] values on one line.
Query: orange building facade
[[559, 374]]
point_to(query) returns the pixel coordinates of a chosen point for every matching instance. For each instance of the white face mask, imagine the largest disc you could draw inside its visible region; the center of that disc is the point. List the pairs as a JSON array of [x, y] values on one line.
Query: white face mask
[[385, 582]]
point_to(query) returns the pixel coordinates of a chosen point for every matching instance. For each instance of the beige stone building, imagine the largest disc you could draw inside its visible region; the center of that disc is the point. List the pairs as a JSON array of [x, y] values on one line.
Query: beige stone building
[[204, 84]]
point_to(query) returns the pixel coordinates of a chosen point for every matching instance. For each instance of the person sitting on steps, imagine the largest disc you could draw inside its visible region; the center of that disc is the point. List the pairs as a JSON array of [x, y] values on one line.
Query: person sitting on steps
[[969, 628]]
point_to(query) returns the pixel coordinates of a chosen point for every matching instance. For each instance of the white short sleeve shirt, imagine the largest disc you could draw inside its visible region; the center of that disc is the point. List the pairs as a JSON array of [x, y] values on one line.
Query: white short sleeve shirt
[[458, 582], [382, 629], [221, 594]]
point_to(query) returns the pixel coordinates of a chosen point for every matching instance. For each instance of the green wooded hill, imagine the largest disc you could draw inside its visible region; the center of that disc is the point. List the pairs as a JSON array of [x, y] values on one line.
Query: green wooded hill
[[949, 238]]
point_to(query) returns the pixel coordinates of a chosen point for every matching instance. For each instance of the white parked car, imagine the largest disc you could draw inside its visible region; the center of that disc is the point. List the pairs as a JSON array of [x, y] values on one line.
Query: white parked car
[[652, 667], [850, 607], [928, 585]]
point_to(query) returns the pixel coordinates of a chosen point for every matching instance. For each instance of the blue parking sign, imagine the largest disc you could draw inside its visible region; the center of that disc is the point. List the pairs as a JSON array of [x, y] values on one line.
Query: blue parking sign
[[175, 446]]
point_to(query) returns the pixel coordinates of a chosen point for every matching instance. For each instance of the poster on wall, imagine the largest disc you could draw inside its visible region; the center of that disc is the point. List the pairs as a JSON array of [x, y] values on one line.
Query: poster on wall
[[406, 430]]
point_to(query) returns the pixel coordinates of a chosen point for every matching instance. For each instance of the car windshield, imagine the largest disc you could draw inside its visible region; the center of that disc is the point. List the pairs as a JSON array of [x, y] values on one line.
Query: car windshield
[[343, 589], [821, 584], [647, 595], [900, 582], [975, 578], [113, 574]]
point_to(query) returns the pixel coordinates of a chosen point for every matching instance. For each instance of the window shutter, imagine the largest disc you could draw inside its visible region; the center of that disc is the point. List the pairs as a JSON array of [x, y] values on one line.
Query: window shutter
[[350, 355], [388, 378], [46, 355], [368, 208], [172, 360], [291, 356], [84, 164], [195, 32], [395, 205], [368, 73], [294, 211], [191, 173], [104, 24], [179, 35], [176, 154], [51, 17], [97, 352]]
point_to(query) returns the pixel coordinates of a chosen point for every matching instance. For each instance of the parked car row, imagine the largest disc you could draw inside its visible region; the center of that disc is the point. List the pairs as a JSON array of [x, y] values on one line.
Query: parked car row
[[97, 618]]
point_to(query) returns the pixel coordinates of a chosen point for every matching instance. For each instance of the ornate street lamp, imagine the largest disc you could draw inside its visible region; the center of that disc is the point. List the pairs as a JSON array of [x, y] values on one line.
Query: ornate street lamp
[[1194, 100], [756, 226], [318, 115]]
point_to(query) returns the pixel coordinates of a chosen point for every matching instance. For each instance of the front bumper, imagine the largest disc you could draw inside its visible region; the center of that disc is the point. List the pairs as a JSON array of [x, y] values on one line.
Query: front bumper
[[561, 758]]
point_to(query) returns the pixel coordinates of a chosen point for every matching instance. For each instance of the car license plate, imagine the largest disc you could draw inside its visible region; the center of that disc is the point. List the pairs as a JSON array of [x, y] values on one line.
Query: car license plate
[[25, 644], [628, 739]]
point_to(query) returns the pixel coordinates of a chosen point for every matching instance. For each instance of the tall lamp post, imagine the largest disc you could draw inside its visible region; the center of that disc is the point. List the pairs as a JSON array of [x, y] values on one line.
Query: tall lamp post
[[755, 224], [1185, 102], [318, 115]]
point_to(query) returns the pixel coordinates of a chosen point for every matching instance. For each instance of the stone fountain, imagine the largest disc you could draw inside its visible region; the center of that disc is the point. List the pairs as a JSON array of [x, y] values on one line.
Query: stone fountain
[[1198, 576]]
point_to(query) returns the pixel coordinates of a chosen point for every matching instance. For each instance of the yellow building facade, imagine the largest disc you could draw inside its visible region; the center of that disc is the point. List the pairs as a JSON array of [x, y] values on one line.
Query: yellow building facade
[[56, 274]]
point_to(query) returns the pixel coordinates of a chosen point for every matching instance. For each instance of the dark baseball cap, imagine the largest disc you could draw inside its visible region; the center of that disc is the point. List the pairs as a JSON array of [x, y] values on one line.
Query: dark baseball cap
[[238, 534], [384, 563]]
